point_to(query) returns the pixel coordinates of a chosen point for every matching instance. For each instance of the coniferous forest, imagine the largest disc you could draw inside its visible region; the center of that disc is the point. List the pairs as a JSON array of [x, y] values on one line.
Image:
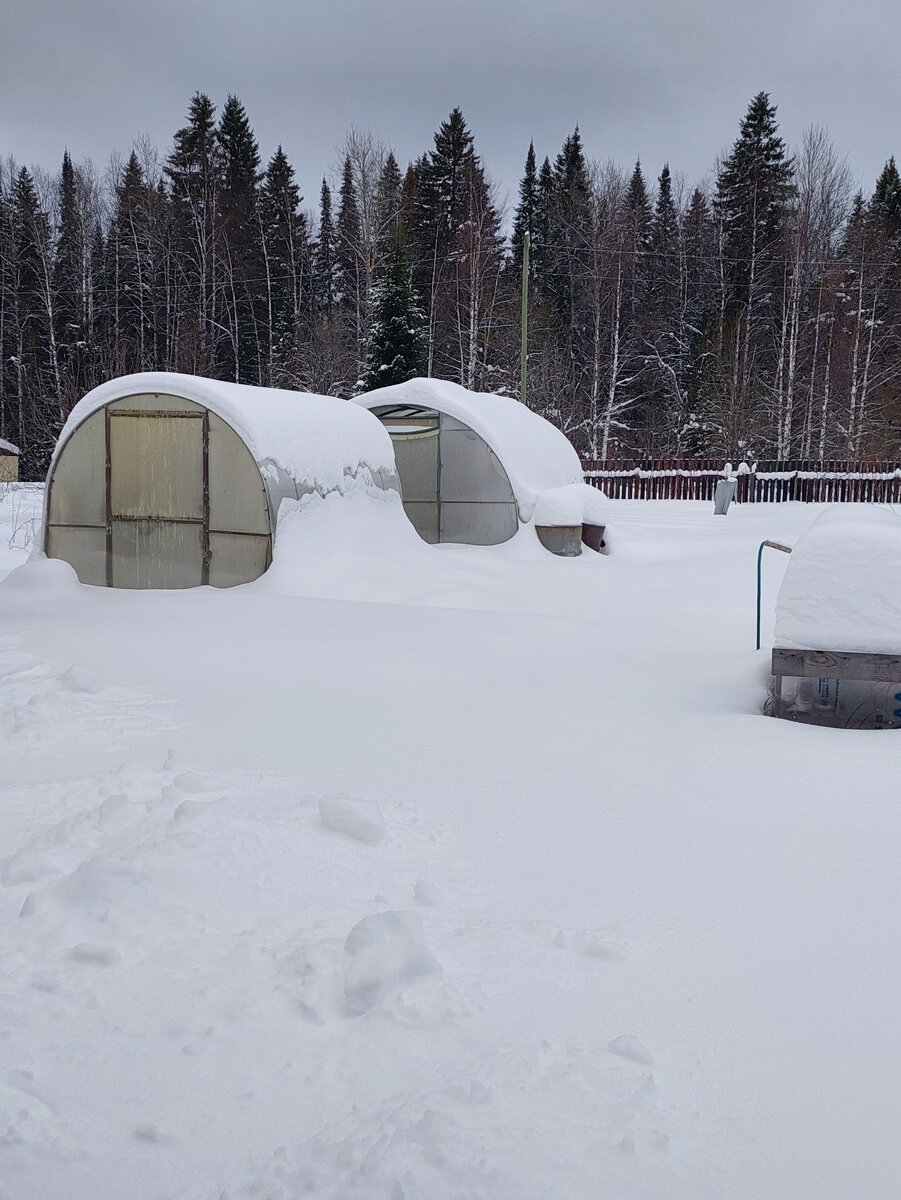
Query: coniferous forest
[[757, 315]]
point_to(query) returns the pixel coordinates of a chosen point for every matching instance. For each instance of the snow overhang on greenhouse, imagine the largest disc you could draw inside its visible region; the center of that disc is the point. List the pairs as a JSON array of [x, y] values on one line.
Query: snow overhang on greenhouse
[[162, 480], [473, 466]]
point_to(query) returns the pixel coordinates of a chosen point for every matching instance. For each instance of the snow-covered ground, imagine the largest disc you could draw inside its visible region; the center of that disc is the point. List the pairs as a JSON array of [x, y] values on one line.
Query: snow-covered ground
[[440, 873]]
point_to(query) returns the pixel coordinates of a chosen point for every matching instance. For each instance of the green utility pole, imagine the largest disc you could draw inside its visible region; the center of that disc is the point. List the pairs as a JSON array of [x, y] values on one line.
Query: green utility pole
[[523, 351]]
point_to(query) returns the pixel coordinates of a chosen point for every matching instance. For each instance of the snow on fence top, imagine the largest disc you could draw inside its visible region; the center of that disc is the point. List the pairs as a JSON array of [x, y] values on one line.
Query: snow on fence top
[[842, 586], [535, 454], [621, 471], [314, 439]]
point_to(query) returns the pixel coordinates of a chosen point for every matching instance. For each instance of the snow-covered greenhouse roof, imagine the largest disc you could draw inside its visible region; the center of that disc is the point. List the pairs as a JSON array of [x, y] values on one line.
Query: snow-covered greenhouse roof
[[537, 457], [313, 439], [842, 585]]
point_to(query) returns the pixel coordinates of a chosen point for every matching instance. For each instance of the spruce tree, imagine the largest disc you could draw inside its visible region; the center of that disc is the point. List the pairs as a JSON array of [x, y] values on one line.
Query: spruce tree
[[286, 271], [442, 184], [349, 256], [193, 166], [129, 270], [541, 250], [638, 207], [662, 327], [457, 252], [68, 283], [570, 244], [663, 252], [697, 432], [325, 258], [525, 217], [398, 340], [886, 202], [238, 193], [570, 232], [390, 203], [754, 187], [35, 420], [240, 160], [194, 171]]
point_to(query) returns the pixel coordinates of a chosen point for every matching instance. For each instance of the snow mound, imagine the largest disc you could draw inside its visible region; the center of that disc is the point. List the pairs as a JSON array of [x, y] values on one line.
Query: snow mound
[[386, 951], [80, 679], [629, 1047], [337, 531], [573, 504], [426, 894], [41, 585], [360, 820], [842, 585]]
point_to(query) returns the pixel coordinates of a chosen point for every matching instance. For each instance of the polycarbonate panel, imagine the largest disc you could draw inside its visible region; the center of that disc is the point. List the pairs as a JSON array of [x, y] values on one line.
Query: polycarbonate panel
[[157, 554], [83, 549], [477, 524], [237, 558], [78, 482], [423, 518], [469, 468], [149, 402], [237, 495], [417, 465], [449, 422], [156, 466]]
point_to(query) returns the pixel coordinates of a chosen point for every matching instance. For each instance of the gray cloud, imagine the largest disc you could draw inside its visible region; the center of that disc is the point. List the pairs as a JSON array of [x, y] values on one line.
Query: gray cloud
[[659, 79]]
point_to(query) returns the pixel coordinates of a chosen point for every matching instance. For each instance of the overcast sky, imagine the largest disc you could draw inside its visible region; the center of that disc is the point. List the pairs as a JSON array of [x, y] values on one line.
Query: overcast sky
[[659, 79]]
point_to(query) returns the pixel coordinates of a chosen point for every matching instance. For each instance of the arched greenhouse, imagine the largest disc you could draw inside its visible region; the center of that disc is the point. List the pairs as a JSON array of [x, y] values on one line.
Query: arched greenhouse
[[475, 466], [162, 480]]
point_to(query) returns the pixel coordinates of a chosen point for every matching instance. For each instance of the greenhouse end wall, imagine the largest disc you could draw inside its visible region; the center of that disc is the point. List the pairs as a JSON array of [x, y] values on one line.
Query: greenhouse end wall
[[156, 491], [455, 488]]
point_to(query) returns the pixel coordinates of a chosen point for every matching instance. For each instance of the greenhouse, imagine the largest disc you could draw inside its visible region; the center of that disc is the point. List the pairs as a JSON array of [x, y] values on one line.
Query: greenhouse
[[475, 466], [162, 480]]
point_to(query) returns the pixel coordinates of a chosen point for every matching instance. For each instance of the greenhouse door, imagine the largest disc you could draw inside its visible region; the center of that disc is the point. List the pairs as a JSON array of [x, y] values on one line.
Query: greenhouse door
[[158, 498]]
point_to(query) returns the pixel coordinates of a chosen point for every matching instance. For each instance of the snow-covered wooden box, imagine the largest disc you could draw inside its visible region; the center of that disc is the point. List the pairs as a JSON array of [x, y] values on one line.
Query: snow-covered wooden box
[[837, 654]]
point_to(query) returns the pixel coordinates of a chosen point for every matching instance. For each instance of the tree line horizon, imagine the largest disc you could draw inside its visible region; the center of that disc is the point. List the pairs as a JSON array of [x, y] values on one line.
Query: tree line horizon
[[755, 316]]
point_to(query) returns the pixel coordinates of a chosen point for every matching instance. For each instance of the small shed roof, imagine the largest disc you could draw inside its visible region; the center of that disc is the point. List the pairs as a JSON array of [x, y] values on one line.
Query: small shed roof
[[842, 585], [309, 437], [7, 447], [535, 454]]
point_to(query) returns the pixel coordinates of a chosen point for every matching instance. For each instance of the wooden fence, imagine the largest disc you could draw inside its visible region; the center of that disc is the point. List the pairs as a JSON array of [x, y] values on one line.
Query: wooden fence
[[770, 481]]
